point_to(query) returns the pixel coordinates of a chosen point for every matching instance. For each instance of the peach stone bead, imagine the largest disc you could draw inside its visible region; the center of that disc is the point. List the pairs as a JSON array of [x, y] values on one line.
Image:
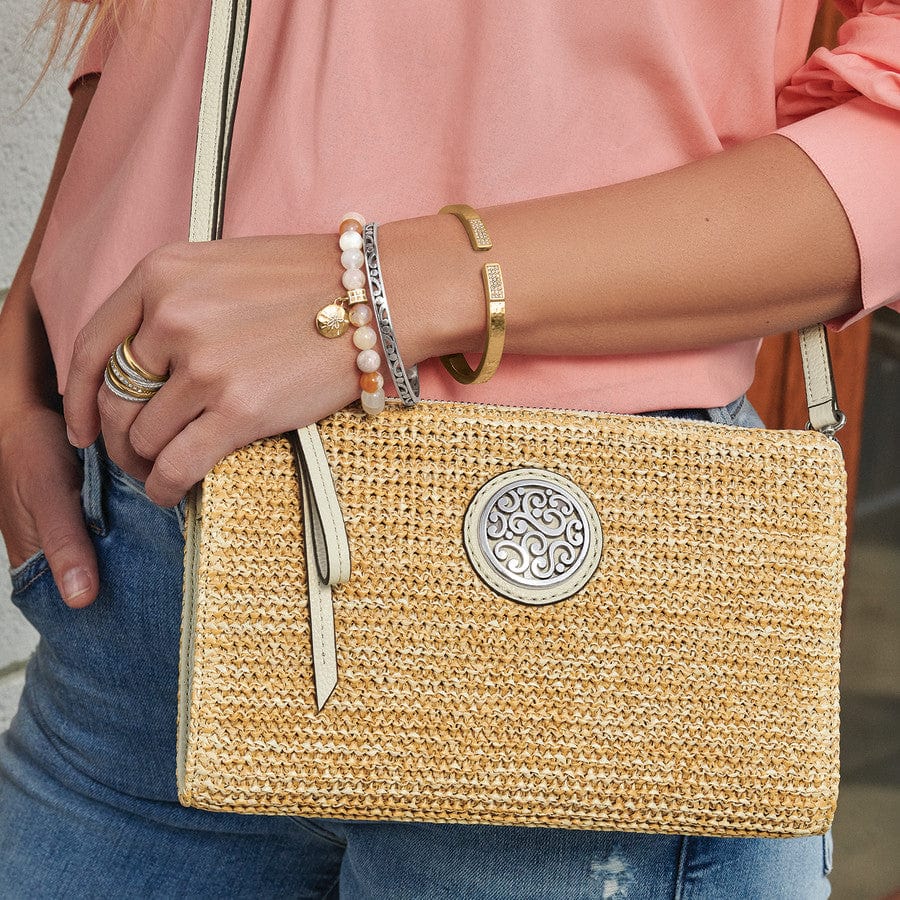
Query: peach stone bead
[[350, 240], [373, 403], [352, 258], [371, 382], [352, 222], [368, 361], [364, 338], [360, 314]]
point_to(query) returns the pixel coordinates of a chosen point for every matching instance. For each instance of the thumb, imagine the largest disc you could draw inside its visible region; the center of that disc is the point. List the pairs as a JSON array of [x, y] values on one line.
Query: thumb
[[64, 538]]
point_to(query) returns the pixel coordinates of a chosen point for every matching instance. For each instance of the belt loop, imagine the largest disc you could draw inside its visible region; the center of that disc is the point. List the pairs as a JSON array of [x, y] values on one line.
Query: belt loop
[[92, 489]]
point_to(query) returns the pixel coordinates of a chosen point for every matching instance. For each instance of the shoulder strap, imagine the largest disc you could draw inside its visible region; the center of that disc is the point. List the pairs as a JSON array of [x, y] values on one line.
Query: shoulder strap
[[221, 80], [225, 49], [821, 396]]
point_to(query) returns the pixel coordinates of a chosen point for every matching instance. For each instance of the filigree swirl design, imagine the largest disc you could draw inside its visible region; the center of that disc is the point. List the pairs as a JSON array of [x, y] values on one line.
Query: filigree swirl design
[[405, 380], [534, 534]]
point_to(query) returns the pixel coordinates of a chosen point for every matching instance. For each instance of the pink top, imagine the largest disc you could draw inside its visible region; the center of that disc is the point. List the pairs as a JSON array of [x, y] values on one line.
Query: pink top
[[398, 108]]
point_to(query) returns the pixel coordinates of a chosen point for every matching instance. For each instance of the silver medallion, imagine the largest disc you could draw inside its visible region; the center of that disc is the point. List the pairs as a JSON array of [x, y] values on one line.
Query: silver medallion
[[533, 536]]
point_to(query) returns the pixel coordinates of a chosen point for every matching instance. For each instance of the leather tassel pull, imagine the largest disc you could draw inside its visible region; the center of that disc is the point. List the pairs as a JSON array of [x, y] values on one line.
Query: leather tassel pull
[[327, 555]]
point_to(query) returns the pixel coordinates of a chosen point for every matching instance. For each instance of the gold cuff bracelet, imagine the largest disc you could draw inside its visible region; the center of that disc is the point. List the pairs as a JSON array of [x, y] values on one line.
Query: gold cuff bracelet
[[495, 300]]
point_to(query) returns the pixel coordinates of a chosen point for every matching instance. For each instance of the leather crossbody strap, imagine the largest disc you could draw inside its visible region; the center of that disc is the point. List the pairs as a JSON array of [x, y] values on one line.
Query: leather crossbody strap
[[821, 396], [327, 546], [225, 47]]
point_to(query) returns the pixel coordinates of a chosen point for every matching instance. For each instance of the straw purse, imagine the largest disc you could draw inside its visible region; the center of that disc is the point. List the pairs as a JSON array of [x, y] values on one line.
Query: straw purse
[[512, 616]]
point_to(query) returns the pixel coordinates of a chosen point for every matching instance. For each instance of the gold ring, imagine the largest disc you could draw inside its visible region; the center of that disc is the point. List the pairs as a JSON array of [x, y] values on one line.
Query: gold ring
[[139, 370], [121, 376], [122, 386]]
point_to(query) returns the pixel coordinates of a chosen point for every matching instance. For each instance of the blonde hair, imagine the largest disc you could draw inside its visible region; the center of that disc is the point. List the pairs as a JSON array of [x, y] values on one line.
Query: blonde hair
[[68, 32]]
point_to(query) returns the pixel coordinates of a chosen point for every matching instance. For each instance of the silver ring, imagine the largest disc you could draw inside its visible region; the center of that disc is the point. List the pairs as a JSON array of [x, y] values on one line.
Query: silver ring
[[119, 392]]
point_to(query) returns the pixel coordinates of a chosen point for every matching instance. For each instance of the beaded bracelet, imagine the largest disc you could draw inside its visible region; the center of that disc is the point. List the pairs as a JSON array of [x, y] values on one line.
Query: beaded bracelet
[[334, 319]]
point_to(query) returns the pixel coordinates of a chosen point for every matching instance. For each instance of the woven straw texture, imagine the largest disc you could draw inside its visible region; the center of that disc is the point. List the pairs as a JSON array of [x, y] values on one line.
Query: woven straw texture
[[691, 687]]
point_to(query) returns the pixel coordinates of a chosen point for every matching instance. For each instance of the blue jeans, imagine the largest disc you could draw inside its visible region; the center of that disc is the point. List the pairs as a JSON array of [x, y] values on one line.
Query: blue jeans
[[88, 805]]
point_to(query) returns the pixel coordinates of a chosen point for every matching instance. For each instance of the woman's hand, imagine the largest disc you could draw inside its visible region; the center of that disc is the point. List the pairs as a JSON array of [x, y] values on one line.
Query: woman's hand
[[233, 323], [40, 475], [40, 482]]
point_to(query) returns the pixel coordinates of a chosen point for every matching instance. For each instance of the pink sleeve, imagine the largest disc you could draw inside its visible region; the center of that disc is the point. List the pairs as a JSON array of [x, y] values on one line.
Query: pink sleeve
[[843, 109], [93, 55]]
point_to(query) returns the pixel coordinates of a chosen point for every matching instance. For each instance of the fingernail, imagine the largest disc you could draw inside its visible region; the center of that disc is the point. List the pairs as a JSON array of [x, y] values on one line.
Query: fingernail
[[70, 436], [75, 583]]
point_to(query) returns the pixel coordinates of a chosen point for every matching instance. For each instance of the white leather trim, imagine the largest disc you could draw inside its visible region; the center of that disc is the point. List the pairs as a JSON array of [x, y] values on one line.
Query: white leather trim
[[821, 396], [328, 524], [192, 536], [235, 67], [204, 209], [321, 606]]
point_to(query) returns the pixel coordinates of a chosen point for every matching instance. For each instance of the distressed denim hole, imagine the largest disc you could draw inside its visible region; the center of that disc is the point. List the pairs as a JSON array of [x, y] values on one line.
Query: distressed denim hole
[[613, 876]]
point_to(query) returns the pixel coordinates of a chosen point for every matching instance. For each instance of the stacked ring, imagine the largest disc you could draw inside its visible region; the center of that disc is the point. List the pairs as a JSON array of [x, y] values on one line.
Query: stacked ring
[[127, 379], [132, 366]]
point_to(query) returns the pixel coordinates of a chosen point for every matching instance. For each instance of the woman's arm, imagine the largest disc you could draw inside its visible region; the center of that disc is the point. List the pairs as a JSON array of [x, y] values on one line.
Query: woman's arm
[[748, 242], [39, 474]]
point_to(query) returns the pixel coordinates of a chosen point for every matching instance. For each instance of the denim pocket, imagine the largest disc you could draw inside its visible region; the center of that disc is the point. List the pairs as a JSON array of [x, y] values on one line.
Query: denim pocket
[[27, 572], [34, 592], [134, 487]]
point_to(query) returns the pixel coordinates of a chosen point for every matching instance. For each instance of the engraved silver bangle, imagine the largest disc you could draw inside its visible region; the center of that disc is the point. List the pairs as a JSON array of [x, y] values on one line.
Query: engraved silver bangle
[[406, 381]]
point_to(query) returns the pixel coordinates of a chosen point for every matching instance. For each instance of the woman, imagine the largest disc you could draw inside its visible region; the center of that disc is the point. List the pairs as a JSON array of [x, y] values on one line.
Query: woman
[[651, 227]]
